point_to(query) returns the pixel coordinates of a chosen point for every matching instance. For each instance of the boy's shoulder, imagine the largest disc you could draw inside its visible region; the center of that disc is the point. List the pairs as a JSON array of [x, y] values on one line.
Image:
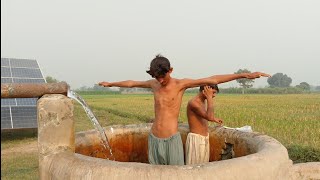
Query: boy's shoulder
[[192, 103], [180, 81]]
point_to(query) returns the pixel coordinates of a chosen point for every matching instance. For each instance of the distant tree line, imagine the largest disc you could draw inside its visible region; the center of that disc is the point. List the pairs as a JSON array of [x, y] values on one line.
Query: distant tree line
[[266, 90], [50, 79], [279, 83]]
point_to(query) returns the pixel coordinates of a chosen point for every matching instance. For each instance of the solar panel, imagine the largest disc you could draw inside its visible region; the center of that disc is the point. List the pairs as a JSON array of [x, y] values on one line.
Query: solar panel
[[18, 80], [6, 80], [24, 117], [19, 113], [27, 101], [24, 63], [5, 72], [26, 73], [4, 62], [5, 117], [8, 102]]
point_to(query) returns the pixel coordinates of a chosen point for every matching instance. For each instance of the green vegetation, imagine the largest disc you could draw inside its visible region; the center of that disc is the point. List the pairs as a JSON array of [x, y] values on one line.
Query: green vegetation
[[269, 90], [292, 119], [20, 166]]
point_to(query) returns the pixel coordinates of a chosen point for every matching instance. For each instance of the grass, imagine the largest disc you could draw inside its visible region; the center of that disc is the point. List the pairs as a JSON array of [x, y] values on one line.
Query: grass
[[294, 120], [300, 154], [12, 139], [20, 166]]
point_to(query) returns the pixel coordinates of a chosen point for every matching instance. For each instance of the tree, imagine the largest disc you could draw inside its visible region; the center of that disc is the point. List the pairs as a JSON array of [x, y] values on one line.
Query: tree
[[96, 87], [124, 89], [244, 83], [66, 83], [305, 86], [50, 79], [279, 80]]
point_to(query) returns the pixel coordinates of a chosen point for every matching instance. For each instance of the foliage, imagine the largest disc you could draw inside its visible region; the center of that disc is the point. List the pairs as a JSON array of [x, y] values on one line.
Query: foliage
[[244, 83], [305, 86], [279, 80], [135, 89], [50, 79], [192, 90], [20, 166], [301, 154], [95, 87], [97, 92], [276, 90], [232, 90]]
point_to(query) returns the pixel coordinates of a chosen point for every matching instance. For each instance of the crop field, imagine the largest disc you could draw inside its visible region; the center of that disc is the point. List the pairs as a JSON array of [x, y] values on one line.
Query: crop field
[[294, 120]]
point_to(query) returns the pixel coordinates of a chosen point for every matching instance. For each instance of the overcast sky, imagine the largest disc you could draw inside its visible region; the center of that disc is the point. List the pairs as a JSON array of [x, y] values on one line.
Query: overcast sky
[[85, 42]]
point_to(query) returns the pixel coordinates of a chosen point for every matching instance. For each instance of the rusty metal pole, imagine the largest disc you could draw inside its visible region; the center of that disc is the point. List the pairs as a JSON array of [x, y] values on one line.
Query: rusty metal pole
[[32, 90]]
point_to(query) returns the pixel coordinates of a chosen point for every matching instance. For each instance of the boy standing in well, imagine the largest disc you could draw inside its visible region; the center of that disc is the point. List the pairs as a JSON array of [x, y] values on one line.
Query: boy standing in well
[[164, 141]]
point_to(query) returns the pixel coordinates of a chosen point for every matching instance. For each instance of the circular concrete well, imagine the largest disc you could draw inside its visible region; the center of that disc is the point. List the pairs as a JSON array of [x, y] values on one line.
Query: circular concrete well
[[255, 156], [130, 143], [66, 155]]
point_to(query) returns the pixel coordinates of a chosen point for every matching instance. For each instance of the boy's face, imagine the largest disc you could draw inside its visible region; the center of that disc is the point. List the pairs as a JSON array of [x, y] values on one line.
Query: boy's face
[[214, 92], [163, 80]]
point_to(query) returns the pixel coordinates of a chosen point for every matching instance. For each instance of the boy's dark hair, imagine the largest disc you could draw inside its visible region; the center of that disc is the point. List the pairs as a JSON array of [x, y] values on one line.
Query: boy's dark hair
[[159, 66], [213, 86]]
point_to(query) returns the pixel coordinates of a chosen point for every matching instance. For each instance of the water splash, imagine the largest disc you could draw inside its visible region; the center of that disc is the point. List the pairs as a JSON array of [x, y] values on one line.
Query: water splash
[[94, 120]]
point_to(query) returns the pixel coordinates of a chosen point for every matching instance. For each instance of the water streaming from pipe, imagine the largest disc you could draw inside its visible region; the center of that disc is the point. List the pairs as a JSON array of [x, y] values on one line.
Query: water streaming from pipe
[[94, 120]]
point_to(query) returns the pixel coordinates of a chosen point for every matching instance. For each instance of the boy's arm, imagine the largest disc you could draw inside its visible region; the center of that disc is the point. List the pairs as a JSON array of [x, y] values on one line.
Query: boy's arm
[[208, 115], [217, 79], [210, 112], [128, 84]]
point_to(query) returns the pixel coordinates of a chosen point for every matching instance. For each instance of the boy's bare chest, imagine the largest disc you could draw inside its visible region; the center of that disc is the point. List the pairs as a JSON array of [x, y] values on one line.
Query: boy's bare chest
[[167, 97]]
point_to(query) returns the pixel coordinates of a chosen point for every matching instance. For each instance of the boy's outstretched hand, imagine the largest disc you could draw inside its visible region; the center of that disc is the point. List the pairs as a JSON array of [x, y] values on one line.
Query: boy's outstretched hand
[[257, 75], [104, 84]]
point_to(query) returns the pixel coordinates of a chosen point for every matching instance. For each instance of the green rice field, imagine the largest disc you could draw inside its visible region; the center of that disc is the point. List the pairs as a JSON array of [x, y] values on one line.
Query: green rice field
[[294, 120]]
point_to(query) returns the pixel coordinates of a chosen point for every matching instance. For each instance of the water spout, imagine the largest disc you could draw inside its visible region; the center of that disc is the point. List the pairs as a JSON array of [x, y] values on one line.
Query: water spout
[[94, 120]]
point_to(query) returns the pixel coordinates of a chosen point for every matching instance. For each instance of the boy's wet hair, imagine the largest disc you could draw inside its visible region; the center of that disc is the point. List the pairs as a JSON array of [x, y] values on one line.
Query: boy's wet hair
[[213, 86], [159, 66]]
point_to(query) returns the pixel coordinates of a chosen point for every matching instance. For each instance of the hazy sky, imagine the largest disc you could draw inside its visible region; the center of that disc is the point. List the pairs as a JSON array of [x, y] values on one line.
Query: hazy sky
[[85, 42]]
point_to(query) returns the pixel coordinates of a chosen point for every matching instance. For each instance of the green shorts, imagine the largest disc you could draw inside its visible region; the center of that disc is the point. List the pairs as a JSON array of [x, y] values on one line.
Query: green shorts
[[165, 151]]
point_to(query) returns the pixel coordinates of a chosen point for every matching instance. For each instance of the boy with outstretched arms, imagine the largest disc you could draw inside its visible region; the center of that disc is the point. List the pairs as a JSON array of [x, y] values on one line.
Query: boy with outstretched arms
[[164, 142], [199, 112]]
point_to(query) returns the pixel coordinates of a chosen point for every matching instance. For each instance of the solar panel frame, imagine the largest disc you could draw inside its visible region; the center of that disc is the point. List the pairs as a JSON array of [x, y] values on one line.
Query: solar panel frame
[[19, 113]]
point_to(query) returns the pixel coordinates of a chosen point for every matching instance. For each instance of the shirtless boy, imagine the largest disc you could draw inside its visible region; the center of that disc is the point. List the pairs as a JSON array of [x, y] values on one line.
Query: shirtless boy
[[164, 141], [197, 144]]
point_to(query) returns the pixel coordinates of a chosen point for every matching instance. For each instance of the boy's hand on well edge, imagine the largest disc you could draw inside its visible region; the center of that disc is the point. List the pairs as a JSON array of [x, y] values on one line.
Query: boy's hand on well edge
[[104, 84], [218, 120], [257, 75]]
